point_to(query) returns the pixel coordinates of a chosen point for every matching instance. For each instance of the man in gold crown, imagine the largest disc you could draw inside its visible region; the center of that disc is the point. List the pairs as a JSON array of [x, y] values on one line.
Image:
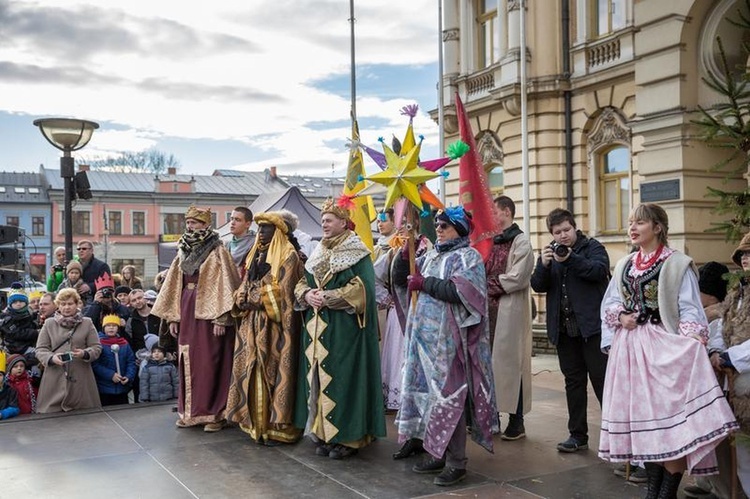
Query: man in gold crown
[[339, 394], [266, 354], [196, 301]]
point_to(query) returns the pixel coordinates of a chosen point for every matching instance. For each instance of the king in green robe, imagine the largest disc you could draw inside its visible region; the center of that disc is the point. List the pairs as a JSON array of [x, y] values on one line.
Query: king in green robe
[[339, 395]]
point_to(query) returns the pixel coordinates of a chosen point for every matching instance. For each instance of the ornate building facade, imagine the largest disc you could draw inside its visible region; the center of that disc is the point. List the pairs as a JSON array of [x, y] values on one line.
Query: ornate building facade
[[613, 87]]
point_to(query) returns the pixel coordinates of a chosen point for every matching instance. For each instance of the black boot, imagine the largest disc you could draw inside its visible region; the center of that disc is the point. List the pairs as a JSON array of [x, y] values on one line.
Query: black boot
[[669, 485], [515, 428], [411, 447], [655, 473]]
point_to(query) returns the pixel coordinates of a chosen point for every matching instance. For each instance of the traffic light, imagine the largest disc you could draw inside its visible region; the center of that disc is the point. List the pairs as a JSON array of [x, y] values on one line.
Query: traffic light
[[11, 234], [12, 245]]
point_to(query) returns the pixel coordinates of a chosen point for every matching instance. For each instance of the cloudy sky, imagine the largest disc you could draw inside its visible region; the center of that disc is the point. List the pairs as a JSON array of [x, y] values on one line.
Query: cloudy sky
[[219, 84]]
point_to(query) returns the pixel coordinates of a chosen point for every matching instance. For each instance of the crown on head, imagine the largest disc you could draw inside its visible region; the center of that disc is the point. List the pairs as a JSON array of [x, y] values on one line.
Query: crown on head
[[200, 214], [111, 319], [105, 281], [334, 207]]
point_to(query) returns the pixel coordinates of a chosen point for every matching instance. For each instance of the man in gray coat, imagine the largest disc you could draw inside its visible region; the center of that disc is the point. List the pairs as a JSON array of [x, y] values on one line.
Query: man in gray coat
[[509, 269]]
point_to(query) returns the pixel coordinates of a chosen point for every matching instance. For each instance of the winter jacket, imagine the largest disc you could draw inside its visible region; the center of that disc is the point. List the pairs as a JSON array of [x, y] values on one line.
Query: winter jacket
[[586, 273], [137, 327], [94, 270], [159, 381], [105, 366], [18, 331], [96, 312], [8, 401]]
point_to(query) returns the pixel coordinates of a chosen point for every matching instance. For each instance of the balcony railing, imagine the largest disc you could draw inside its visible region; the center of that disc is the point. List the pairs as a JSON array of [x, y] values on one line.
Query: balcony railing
[[602, 53], [481, 82]]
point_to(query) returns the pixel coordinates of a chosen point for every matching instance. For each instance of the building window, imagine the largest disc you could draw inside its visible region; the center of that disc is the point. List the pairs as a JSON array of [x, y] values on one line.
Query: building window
[[139, 223], [229, 217], [488, 40], [609, 16], [138, 263], [214, 219], [37, 226], [81, 223], [115, 222], [614, 188], [12, 221], [496, 179], [174, 223]]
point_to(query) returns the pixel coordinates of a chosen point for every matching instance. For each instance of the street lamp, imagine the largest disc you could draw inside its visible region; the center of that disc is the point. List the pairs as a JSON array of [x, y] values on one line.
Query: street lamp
[[68, 135]]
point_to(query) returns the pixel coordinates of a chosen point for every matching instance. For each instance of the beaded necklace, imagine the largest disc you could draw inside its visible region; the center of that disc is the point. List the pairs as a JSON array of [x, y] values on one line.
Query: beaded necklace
[[643, 265]]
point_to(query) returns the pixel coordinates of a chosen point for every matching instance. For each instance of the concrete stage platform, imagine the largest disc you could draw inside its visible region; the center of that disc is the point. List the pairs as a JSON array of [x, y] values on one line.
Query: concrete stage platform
[[137, 451]]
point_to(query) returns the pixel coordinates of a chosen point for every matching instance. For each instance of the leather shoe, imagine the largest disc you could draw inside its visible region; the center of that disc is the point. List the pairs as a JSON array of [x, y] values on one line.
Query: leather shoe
[[342, 451], [323, 450], [214, 427], [430, 465], [450, 476], [411, 447]]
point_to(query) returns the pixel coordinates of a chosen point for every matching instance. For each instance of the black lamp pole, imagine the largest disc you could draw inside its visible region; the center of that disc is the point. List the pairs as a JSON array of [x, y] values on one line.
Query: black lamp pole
[[67, 172]]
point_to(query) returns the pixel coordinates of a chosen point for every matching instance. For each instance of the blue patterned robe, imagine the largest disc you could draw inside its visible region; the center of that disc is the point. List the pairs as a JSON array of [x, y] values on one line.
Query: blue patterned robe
[[439, 381]]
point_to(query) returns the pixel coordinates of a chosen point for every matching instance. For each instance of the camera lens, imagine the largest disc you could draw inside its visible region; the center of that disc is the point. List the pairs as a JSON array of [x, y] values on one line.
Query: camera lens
[[561, 250]]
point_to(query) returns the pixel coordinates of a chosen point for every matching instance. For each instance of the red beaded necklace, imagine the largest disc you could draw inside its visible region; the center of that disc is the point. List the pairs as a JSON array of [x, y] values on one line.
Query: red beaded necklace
[[641, 265]]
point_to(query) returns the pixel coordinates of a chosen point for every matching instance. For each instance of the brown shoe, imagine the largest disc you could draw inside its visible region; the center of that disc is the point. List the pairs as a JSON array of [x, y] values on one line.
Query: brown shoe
[[181, 424], [214, 427]]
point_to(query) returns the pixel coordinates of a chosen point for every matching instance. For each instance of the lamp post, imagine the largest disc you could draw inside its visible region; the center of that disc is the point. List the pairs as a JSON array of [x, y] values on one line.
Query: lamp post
[[68, 135]]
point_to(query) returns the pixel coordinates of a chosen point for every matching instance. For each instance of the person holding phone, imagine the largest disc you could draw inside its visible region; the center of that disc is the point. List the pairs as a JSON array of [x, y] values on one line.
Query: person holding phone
[[68, 343]]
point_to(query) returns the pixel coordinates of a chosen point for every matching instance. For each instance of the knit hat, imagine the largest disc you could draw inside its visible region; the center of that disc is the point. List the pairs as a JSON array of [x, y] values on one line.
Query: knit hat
[[111, 319], [151, 339], [744, 246], [150, 295], [122, 289], [710, 280], [17, 294], [2, 362], [74, 264], [14, 359]]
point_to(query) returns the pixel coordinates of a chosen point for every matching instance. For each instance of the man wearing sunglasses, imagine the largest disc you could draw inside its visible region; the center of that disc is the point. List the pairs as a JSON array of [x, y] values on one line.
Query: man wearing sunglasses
[[93, 268]]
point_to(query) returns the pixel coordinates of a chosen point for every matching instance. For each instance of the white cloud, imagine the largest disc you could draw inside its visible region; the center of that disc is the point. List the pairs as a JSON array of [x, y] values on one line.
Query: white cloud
[[219, 70]]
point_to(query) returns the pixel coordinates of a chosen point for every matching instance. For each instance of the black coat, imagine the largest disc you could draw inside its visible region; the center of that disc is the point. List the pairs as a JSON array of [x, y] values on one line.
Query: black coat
[[18, 332], [586, 278]]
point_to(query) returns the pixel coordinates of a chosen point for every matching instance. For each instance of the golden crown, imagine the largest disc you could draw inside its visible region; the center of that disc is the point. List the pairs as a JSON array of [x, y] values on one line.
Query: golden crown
[[200, 214], [332, 206]]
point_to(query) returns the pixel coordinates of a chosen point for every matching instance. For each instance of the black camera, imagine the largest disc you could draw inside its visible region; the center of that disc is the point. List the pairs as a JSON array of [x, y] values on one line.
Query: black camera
[[58, 268], [107, 293], [559, 249]]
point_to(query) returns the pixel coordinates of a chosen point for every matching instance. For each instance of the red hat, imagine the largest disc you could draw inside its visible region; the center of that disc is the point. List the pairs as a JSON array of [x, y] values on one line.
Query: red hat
[[105, 281]]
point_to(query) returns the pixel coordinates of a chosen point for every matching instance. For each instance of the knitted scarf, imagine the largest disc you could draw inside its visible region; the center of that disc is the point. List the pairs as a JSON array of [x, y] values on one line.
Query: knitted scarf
[[68, 322], [194, 246]]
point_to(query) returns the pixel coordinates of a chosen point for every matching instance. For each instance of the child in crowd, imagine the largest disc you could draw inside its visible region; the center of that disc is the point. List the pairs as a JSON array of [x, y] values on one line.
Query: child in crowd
[[18, 329], [115, 368], [159, 379], [21, 380], [143, 355], [73, 280], [34, 298], [8, 396]]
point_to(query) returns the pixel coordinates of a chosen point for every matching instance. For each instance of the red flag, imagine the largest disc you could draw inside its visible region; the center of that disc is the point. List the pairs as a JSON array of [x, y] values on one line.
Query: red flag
[[473, 187]]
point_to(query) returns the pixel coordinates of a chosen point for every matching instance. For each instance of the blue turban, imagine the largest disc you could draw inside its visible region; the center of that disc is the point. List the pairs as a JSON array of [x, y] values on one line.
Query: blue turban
[[458, 218]]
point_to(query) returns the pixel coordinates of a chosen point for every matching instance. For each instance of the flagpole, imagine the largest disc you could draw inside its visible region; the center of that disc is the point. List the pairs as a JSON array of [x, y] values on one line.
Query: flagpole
[[441, 99], [524, 127], [353, 69]]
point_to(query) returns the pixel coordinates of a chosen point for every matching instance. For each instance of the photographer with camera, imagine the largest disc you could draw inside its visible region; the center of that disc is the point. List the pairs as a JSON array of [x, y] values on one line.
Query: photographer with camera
[[57, 272], [105, 303], [574, 272]]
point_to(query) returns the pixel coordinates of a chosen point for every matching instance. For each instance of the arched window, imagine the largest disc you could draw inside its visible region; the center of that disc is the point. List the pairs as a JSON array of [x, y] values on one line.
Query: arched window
[[614, 188], [495, 178], [488, 42], [491, 152], [609, 157]]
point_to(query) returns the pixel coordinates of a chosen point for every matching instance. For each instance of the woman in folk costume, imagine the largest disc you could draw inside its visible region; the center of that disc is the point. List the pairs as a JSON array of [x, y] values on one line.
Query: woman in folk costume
[[196, 301], [261, 396], [662, 403], [448, 384]]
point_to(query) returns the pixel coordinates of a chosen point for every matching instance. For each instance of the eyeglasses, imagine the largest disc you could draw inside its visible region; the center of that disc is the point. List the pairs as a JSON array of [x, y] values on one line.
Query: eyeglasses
[[83, 248], [442, 225]]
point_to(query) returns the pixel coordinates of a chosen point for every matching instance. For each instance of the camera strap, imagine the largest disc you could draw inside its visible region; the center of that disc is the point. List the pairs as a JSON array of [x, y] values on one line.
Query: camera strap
[[67, 340]]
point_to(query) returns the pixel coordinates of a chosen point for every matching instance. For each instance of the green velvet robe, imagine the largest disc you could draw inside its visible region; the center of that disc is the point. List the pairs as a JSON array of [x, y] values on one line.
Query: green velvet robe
[[340, 350]]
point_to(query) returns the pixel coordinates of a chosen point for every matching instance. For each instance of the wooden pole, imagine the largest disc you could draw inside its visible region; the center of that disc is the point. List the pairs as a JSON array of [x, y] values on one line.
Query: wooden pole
[[412, 251]]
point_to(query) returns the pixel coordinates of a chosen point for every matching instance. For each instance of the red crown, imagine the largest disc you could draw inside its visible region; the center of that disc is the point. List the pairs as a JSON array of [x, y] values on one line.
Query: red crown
[[105, 281]]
